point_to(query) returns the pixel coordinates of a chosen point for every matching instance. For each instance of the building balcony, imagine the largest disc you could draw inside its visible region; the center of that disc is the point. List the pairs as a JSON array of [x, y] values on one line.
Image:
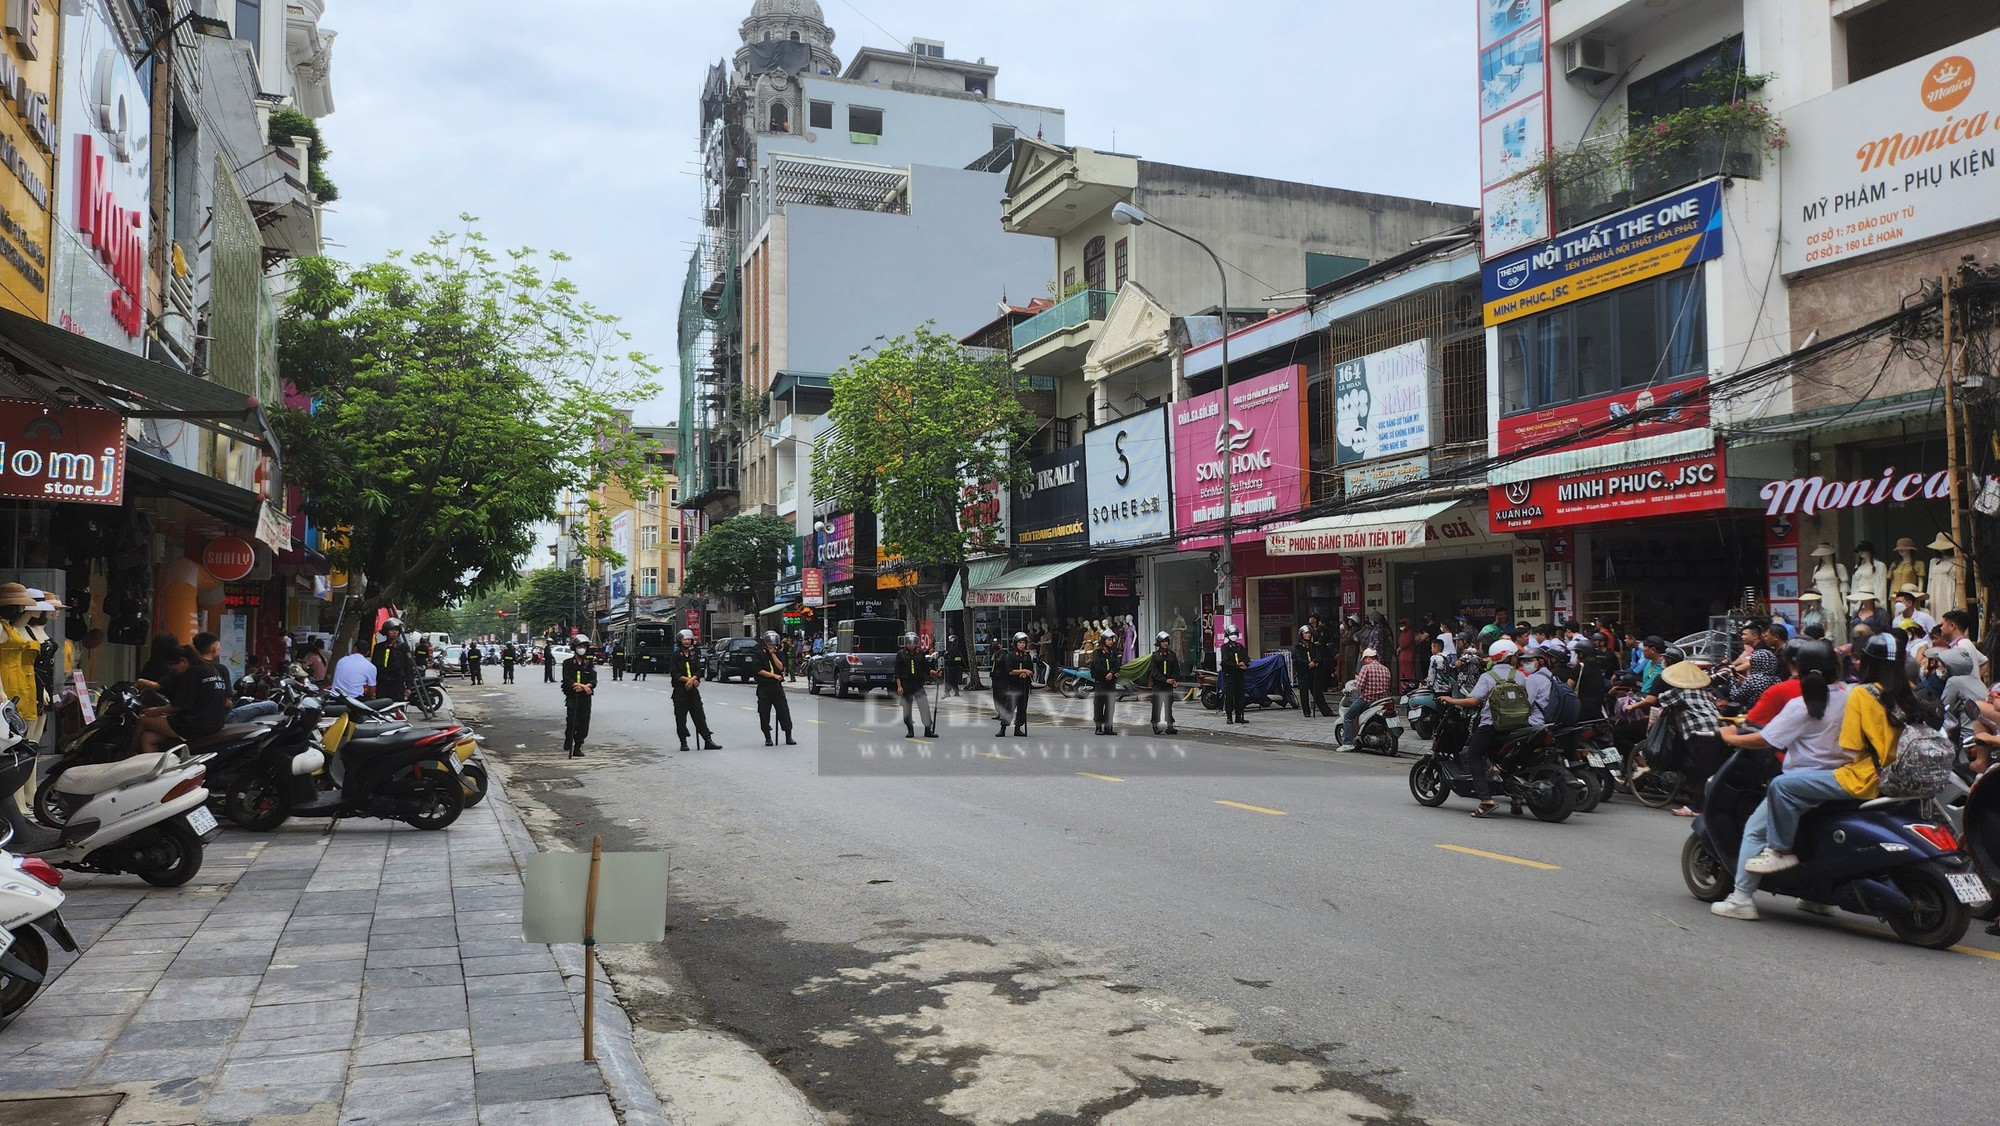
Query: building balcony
[[1613, 186], [1056, 339]]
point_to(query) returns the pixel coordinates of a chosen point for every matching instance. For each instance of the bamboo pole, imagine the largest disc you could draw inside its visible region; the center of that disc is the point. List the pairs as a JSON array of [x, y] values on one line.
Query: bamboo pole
[[590, 952], [1951, 456]]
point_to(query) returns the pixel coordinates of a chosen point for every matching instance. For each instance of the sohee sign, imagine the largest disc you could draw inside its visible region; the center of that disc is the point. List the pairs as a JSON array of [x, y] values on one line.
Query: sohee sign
[[1126, 463]]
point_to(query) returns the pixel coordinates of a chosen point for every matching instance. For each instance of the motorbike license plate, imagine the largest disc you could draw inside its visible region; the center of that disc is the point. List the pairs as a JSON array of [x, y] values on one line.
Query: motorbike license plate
[[1597, 758], [201, 820], [1416, 714], [1969, 889], [1396, 723]]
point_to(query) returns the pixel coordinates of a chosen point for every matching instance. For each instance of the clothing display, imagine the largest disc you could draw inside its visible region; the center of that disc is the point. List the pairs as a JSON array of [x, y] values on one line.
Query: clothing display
[[1870, 575], [1941, 586], [1829, 577], [18, 650], [1907, 570]]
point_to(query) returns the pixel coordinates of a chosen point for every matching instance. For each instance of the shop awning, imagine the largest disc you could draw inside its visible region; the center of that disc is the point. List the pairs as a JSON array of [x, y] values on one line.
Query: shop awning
[[1357, 533], [776, 608], [149, 475], [981, 571], [55, 365], [1017, 587]]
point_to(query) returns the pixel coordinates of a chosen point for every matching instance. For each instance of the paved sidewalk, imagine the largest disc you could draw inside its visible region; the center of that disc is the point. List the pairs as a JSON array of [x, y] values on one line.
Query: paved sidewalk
[[359, 974]]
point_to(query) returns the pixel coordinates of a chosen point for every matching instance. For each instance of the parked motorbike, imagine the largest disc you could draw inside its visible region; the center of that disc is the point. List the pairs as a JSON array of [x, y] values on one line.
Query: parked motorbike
[[1421, 708], [1267, 683], [30, 902], [1972, 811], [341, 715], [429, 694], [1586, 751], [387, 770], [1875, 857], [1528, 771], [1378, 728], [144, 815]]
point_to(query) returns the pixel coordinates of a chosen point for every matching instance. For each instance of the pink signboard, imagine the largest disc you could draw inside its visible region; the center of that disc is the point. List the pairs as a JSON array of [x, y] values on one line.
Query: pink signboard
[[836, 550], [1261, 456]]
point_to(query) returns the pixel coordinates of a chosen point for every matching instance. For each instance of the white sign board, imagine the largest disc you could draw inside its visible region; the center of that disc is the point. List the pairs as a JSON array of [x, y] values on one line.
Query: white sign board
[[631, 897], [1382, 404], [1900, 156], [1127, 465], [103, 184]]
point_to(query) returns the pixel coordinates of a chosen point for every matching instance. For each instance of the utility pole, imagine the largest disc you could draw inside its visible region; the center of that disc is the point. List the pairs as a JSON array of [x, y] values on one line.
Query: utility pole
[[1952, 458]]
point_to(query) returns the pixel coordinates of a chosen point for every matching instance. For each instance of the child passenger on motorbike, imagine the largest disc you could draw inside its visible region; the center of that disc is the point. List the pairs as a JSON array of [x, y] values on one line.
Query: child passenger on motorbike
[[1807, 730]]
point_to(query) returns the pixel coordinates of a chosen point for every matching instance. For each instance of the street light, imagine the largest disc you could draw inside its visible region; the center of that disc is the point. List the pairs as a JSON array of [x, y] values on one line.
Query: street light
[[1126, 215]]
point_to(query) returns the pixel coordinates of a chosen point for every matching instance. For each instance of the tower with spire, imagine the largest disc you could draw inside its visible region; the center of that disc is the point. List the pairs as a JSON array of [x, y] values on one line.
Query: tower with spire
[[781, 40]]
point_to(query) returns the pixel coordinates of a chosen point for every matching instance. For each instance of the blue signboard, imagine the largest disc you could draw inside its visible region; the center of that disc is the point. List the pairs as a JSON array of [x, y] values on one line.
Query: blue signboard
[[1655, 238]]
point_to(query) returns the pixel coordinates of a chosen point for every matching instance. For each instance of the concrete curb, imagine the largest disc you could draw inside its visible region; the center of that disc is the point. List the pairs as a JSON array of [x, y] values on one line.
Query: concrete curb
[[625, 1078]]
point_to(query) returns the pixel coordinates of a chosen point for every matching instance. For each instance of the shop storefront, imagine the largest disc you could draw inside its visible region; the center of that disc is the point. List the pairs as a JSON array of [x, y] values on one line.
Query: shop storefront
[[1129, 531], [1436, 558]]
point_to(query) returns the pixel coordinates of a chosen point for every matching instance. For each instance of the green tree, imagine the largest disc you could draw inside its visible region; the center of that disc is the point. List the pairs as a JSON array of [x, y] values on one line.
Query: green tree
[[742, 551], [915, 425], [552, 597], [456, 394]]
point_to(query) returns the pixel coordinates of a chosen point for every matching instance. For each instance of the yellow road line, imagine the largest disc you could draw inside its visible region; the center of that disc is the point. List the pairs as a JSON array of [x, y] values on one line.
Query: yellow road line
[[1099, 777], [1886, 936], [815, 721], [861, 730], [1977, 953], [1253, 808], [1502, 856], [995, 754]]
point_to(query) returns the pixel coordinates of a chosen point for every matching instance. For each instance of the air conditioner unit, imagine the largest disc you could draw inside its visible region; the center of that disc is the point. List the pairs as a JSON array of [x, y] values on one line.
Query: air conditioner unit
[[1590, 60]]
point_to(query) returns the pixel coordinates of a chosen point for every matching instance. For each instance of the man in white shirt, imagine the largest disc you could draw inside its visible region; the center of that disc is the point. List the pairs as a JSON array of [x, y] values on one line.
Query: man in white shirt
[[354, 674], [1956, 628]]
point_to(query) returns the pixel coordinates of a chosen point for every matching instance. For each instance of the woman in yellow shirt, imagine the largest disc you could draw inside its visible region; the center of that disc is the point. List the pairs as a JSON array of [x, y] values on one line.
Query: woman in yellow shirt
[[1877, 711]]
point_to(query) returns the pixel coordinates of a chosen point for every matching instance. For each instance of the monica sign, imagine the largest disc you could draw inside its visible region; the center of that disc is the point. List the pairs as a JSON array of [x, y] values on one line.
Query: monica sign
[[1900, 156], [1258, 457], [1813, 495], [75, 455], [1127, 466]]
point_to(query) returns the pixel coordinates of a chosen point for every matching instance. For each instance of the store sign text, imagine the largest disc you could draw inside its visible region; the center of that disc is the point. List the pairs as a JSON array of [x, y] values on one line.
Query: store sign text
[[76, 454], [116, 233], [1812, 495]]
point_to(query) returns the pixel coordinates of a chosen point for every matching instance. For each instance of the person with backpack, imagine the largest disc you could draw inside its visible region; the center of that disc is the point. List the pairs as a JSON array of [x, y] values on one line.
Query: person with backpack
[[1894, 738], [1561, 707], [1506, 701], [1807, 729]]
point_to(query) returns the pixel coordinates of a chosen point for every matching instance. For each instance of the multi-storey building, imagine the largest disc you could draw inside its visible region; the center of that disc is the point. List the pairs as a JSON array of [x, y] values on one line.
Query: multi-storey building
[[840, 208]]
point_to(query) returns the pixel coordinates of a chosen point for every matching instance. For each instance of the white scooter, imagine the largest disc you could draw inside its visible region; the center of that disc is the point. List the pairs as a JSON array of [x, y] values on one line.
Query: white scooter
[[29, 902], [1379, 727], [144, 815]]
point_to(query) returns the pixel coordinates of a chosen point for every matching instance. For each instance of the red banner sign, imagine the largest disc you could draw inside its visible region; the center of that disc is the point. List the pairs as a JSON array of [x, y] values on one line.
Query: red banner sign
[[1541, 428], [812, 586], [1659, 488], [694, 623], [1117, 586], [228, 558], [75, 455]]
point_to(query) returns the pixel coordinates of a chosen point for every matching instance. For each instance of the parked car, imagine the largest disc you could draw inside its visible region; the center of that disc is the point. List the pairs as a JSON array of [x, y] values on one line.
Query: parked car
[[860, 657], [733, 657]]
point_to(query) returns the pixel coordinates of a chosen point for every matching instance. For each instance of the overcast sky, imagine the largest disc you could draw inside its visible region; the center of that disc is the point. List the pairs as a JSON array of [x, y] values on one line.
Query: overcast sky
[[573, 126]]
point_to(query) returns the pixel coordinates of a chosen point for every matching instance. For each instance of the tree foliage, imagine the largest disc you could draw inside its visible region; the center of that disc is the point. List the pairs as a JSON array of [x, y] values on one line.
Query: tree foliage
[[455, 394], [739, 552], [916, 424]]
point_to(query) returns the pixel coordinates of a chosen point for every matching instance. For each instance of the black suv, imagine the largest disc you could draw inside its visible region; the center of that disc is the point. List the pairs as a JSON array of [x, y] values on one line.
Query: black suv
[[734, 656]]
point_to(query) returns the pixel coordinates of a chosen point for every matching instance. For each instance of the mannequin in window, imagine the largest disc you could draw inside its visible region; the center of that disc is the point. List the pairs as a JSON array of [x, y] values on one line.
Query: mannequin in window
[[1871, 575], [1942, 585], [19, 648], [1907, 570], [1829, 577]]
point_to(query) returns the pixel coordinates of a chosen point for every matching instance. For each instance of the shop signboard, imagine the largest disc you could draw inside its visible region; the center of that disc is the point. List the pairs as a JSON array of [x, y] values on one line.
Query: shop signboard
[[1810, 496], [228, 558], [28, 144], [618, 576], [812, 587], [1260, 457], [693, 619], [103, 185], [1513, 122], [1127, 467], [890, 573], [1455, 526], [1669, 487], [1382, 404], [1117, 586], [1683, 407], [1898, 157], [75, 455], [1382, 476], [836, 550], [1647, 241], [1528, 580], [1051, 505]]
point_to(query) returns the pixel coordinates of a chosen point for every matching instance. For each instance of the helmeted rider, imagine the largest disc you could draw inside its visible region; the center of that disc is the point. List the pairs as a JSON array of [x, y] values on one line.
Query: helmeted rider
[[1486, 735]]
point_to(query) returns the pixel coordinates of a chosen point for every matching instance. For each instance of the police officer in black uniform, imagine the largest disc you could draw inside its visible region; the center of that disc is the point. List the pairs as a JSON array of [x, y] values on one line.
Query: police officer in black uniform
[[1309, 657], [914, 672], [579, 685], [771, 672], [684, 669], [954, 665], [1013, 672], [1235, 662], [1163, 680], [395, 670], [1103, 684]]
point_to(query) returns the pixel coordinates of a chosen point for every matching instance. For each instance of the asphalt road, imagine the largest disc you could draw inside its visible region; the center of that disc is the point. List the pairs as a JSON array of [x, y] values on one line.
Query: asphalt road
[[1067, 928]]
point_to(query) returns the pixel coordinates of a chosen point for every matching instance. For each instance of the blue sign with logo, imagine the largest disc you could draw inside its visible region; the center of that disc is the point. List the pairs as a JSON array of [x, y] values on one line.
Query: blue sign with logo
[[1653, 239]]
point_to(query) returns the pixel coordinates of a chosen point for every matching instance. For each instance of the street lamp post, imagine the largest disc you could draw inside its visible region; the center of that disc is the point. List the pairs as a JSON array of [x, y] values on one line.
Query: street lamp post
[[1124, 214]]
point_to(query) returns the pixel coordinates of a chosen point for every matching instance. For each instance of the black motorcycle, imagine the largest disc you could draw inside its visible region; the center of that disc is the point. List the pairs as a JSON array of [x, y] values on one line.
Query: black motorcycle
[[1530, 770], [388, 770]]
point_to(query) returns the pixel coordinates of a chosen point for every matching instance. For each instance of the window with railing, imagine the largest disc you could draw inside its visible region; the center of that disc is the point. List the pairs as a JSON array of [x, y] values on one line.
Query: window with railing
[[1093, 263], [1082, 308]]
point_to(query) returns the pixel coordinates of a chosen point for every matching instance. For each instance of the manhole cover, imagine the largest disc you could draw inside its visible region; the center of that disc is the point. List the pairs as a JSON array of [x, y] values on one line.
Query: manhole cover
[[76, 1110]]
